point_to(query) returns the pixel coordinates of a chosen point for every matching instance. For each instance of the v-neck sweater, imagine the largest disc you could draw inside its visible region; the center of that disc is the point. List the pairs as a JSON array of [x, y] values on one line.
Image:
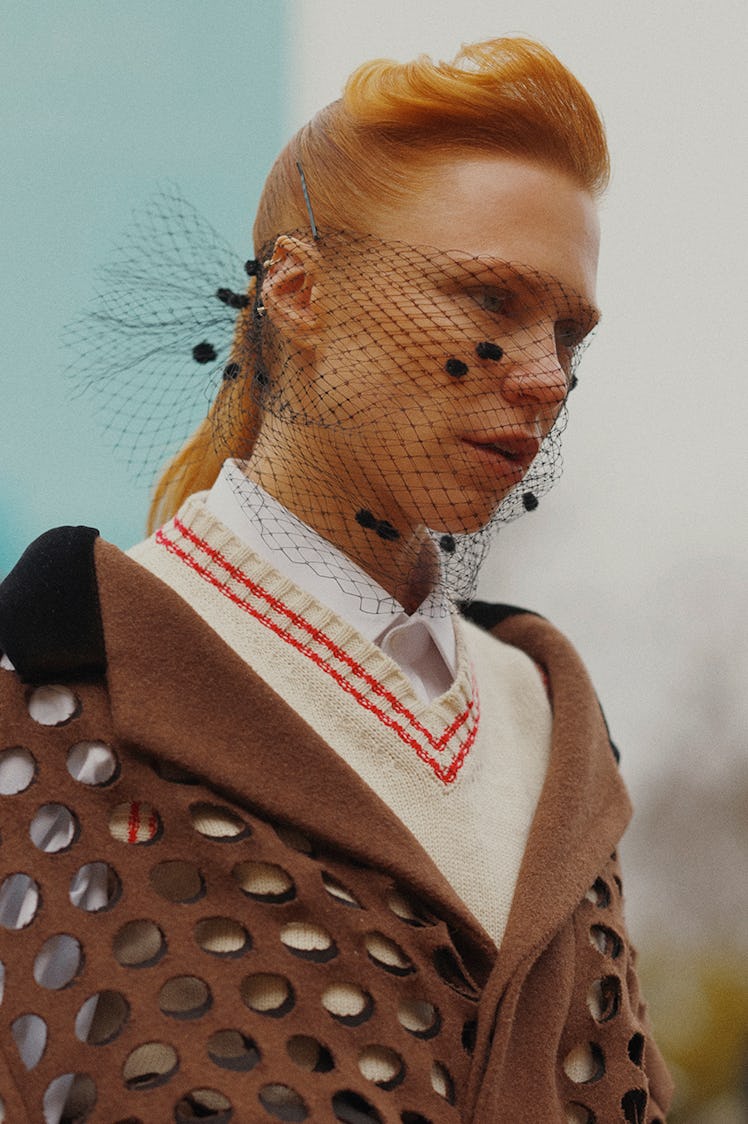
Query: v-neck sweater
[[463, 772]]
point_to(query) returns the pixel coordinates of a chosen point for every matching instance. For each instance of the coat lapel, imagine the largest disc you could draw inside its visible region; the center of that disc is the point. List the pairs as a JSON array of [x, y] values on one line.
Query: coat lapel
[[583, 808]]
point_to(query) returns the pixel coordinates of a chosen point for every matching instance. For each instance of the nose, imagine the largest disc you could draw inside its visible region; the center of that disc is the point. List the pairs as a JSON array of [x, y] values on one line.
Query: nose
[[534, 374]]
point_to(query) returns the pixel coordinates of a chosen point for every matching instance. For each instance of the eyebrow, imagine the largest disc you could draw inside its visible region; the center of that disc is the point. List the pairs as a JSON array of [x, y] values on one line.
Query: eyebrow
[[499, 270]]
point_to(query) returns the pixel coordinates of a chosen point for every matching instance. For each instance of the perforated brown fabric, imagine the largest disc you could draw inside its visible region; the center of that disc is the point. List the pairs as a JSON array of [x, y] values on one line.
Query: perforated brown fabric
[[171, 953], [585, 1025]]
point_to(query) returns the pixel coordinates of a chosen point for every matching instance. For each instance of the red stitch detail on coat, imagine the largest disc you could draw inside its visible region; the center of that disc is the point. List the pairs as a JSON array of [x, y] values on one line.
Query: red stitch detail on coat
[[447, 775]]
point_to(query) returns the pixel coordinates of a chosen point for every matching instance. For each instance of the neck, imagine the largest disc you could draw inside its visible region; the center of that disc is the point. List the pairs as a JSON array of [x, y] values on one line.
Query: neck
[[403, 561]]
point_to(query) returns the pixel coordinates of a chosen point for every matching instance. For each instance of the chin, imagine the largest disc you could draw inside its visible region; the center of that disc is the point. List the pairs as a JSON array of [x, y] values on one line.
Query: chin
[[459, 519]]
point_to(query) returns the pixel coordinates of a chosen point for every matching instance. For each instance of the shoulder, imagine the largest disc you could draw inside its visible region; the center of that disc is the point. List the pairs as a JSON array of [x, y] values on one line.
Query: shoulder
[[50, 622], [560, 664]]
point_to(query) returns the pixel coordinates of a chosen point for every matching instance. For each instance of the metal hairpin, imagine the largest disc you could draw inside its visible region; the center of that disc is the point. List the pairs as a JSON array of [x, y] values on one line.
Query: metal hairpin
[[310, 212]]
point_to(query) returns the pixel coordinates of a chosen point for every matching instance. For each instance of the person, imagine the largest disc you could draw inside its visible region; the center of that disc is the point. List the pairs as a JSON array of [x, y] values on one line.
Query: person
[[294, 828]]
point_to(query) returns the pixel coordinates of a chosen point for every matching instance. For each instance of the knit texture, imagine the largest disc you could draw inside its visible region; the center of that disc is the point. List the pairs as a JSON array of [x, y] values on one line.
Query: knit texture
[[464, 773]]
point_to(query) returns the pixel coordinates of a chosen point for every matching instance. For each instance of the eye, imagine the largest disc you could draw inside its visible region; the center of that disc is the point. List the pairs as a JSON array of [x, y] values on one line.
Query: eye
[[491, 299]]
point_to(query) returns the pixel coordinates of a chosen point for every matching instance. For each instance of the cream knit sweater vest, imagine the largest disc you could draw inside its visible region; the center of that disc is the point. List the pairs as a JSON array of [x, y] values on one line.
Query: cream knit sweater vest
[[464, 772]]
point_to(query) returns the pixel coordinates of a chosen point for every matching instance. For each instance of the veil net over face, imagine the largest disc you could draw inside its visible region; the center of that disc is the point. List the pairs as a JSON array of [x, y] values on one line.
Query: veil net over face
[[399, 401], [405, 400]]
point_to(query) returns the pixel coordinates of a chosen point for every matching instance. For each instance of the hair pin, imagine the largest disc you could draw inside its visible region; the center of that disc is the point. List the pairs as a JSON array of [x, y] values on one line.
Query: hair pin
[[310, 212]]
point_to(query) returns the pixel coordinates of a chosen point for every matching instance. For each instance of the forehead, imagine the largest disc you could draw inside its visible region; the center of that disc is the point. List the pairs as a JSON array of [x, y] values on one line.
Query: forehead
[[499, 208]]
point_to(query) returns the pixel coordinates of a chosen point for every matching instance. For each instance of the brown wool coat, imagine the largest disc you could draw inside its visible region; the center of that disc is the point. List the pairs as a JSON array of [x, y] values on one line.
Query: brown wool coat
[[460, 1032]]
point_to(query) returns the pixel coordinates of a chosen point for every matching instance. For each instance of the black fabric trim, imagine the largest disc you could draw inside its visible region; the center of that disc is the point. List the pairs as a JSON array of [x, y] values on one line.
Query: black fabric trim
[[50, 620], [487, 615]]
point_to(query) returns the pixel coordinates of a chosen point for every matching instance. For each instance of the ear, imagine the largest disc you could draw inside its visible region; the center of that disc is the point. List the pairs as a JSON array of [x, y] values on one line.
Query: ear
[[288, 289]]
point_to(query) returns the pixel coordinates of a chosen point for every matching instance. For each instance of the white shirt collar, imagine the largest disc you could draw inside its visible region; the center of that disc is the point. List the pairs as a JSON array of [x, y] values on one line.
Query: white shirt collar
[[319, 568]]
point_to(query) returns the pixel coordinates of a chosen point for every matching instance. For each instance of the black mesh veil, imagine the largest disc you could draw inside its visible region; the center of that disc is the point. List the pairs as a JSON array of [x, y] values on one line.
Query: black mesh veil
[[400, 401]]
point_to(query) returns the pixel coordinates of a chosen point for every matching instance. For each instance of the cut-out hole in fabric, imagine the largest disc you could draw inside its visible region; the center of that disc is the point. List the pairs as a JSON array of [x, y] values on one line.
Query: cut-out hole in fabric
[[606, 941], [177, 881], [575, 1113], [585, 1063], [19, 901], [348, 1003], [200, 1105], [419, 1017], [409, 909], [442, 1083], [267, 994], [76, 1093], [634, 1105], [17, 770], [469, 1032], [58, 962], [150, 1065], [352, 1108], [92, 763], [220, 824], [450, 970], [139, 944], [309, 1054], [184, 997], [636, 1048], [385, 953], [5, 663], [604, 998], [599, 894], [134, 822], [338, 891], [30, 1036], [310, 942], [53, 828], [222, 936], [53, 705], [95, 887], [230, 1049], [381, 1065], [283, 1103], [264, 882], [102, 1018], [294, 839]]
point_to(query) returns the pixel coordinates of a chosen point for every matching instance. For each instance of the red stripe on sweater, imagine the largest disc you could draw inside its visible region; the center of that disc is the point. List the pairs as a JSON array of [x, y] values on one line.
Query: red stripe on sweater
[[471, 711], [133, 823]]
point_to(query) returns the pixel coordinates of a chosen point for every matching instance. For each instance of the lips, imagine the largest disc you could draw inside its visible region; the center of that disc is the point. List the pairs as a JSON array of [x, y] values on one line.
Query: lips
[[517, 449]]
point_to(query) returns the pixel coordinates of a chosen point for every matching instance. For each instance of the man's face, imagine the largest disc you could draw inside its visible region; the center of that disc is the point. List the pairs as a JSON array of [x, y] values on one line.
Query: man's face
[[445, 341]]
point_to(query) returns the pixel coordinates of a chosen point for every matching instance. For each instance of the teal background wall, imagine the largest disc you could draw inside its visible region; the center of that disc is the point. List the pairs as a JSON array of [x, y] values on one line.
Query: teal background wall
[[100, 102]]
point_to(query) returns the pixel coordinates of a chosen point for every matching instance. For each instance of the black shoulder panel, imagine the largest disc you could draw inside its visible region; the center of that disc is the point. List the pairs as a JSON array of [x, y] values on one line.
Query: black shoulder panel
[[487, 615], [50, 622]]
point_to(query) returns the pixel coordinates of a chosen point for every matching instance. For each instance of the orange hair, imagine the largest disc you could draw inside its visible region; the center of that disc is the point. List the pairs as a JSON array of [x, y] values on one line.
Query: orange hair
[[365, 152]]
